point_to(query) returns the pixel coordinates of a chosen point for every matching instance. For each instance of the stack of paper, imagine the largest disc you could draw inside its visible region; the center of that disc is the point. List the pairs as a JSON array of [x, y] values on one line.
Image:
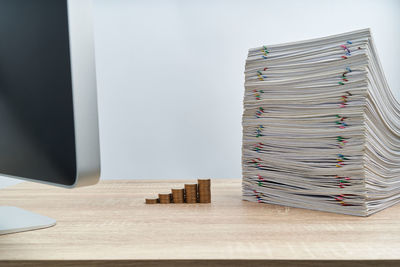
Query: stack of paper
[[321, 128]]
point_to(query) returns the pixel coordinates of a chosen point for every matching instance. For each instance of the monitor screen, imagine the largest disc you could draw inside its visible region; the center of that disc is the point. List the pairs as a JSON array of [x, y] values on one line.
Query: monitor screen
[[37, 138]]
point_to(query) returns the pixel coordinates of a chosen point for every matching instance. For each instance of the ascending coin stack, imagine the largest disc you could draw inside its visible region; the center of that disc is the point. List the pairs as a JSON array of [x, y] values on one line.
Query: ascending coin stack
[[192, 193]]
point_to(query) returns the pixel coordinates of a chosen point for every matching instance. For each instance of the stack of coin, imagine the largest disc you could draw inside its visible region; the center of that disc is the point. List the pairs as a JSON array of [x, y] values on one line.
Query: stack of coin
[[204, 190], [151, 200], [191, 193], [177, 195], [164, 198]]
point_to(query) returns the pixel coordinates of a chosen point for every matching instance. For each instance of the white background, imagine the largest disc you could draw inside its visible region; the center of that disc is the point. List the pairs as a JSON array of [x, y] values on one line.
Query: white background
[[170, 75]]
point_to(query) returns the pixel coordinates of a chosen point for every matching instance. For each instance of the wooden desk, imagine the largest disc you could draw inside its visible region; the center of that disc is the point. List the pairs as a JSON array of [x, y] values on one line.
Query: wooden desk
[[110, 224]]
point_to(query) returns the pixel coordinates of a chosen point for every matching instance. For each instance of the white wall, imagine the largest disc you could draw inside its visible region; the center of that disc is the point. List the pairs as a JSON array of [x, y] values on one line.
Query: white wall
[[170, 74]]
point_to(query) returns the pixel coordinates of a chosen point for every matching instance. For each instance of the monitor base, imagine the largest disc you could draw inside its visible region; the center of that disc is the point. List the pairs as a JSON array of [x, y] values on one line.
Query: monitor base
[[13, 220]]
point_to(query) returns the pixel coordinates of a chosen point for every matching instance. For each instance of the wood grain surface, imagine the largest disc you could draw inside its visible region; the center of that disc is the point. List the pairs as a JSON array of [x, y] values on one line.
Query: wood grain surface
[[110, 221]]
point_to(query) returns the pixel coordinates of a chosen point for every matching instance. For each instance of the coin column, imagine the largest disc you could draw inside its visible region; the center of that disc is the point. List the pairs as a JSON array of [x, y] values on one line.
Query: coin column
[[191, 193], [164, 198], [204, 190], [178, 195]]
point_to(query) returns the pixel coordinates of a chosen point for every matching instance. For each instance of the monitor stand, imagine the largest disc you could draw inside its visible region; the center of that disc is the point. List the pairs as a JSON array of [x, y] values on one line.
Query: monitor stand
[[13, 220]]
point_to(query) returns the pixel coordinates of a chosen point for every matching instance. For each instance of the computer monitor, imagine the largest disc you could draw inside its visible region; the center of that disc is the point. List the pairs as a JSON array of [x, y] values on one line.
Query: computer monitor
[[48, 100]]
